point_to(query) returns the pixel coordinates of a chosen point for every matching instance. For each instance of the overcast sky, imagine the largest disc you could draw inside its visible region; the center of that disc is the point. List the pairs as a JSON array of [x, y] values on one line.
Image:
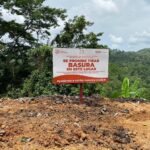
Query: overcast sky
[[125, 23]]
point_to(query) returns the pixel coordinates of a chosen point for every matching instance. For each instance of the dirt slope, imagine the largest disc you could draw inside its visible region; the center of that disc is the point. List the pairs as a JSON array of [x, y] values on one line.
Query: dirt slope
[[54, 123]]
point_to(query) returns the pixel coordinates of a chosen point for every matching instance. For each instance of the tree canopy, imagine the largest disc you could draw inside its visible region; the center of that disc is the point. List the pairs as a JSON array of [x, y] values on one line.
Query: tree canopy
[[74, 35], [38, 20]]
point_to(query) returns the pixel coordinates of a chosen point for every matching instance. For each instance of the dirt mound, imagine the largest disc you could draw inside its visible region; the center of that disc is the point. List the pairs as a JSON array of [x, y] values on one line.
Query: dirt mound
[[59, 122]]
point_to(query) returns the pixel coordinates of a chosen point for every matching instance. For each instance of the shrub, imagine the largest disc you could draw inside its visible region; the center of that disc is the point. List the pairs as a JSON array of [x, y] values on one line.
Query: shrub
[[131, 91]]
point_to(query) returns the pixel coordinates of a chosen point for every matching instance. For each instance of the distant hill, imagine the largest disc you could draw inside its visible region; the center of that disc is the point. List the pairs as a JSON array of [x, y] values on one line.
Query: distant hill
[[134, 65], [145, 50]]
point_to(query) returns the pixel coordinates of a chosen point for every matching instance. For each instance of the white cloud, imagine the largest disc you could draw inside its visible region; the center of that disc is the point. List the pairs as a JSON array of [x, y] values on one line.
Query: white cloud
[[106, 5], [95, 8], [116, 39], [115, 46], [140, 37], [9, 17]]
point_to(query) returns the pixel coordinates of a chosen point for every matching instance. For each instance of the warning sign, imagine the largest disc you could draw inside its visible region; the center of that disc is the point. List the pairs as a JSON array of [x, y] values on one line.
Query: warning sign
[[80, 65]]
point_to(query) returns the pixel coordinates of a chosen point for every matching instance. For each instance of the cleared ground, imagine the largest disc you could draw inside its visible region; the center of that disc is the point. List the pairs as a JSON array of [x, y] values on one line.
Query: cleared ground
[[60, 123]]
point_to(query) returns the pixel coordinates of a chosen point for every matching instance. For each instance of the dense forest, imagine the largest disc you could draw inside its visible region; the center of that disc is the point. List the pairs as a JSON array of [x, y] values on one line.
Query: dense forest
[[26, 54]]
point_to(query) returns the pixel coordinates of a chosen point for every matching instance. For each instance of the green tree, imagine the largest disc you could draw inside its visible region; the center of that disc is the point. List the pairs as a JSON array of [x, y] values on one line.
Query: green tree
[[18, 38], [40, 58], [38, 20], [75, 35]]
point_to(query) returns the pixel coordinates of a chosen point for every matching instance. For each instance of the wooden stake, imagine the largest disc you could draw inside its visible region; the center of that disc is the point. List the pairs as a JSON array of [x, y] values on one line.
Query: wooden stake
[[81, 93]]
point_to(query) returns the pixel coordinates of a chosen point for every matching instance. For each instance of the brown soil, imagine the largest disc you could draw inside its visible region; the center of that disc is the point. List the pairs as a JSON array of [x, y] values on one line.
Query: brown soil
[[99, 124]]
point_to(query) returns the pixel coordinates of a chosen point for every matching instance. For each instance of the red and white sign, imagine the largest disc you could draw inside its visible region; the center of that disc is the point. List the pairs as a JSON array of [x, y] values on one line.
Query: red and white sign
[[80, 65]]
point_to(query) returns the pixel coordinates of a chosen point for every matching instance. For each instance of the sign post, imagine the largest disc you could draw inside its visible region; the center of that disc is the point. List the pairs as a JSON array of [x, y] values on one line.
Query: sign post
[[81, 93], [78, 66]]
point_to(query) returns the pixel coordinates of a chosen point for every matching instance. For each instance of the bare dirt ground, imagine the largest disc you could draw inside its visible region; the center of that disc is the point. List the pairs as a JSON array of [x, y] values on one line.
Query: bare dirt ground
[[53, 123]]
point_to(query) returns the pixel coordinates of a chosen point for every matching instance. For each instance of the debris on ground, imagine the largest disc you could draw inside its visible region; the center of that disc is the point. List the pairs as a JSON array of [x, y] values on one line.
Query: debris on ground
[[59, 122]]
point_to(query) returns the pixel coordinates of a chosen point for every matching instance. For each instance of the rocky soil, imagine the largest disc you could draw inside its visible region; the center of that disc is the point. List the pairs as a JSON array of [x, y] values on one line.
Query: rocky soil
[[61, 123]]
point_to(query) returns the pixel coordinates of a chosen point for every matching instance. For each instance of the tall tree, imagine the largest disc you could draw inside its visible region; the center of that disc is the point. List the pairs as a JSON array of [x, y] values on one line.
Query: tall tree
[[18, 37], [74, 34], [38, 19]]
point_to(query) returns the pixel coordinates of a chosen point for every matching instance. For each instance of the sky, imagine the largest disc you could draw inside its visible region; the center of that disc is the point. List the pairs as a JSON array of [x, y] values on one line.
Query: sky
[[125, 23]]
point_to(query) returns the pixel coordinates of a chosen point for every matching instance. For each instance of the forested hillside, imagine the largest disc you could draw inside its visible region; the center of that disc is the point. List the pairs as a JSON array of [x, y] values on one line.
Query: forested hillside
[[134, 65], [26, 59]]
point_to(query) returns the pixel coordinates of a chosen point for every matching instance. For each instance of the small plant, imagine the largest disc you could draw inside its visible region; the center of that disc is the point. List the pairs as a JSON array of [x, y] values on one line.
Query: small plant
[[131, 91], [125, 90]]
